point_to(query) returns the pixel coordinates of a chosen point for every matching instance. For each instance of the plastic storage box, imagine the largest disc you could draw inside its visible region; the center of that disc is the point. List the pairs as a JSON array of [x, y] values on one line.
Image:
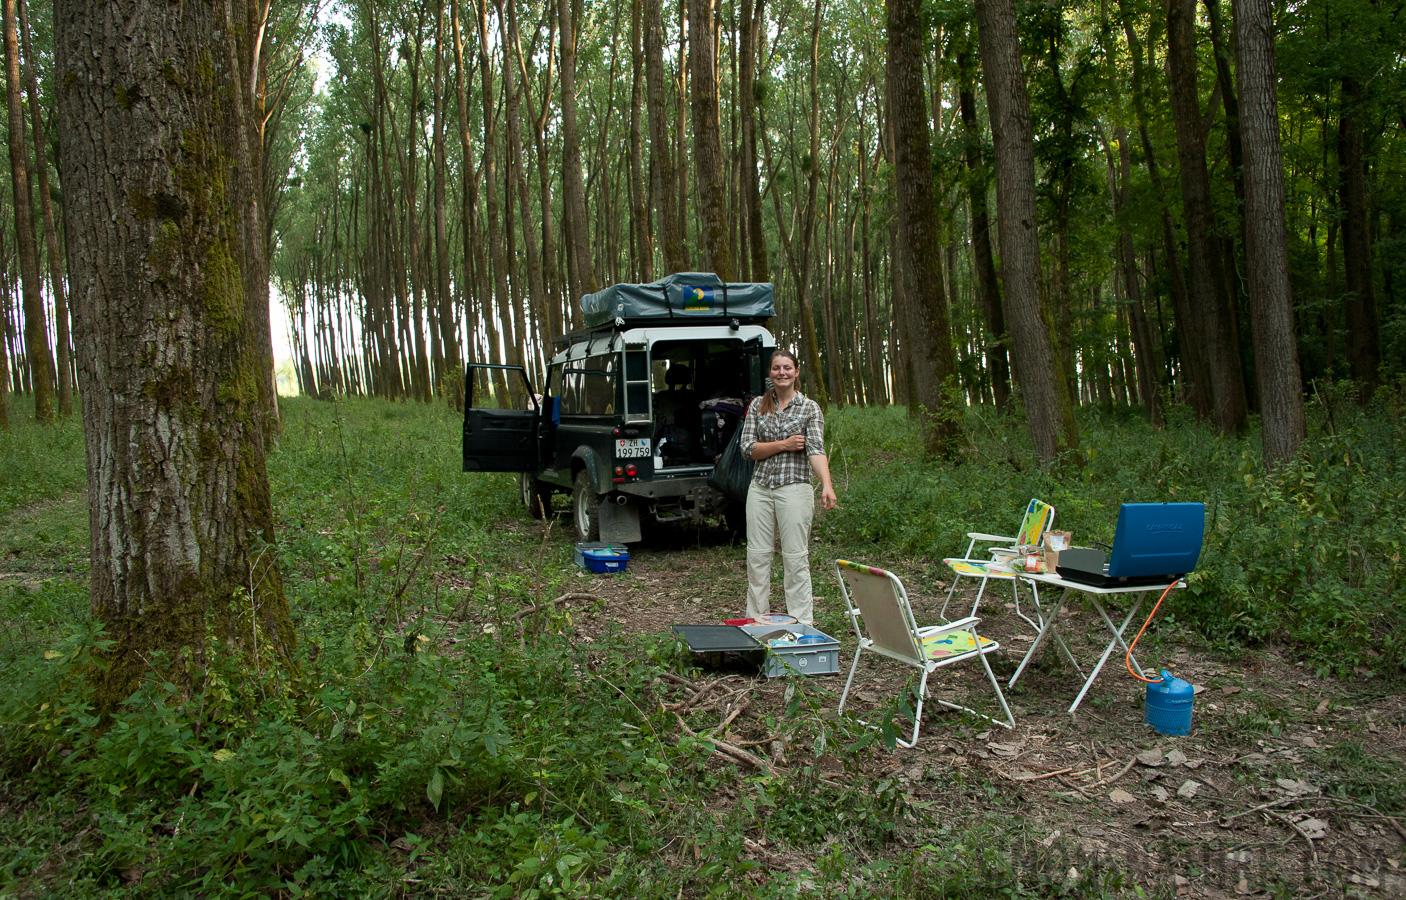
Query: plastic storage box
[[810, 658], [583, 546], [606, 561]]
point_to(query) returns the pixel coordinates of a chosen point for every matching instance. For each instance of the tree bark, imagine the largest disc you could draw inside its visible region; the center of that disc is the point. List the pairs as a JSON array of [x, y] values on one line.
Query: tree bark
[[707, 139], [1144, 347], [62, 339], [661, 159], [158, 180], [583, 272], [1047, 406], [1207, 297], [753, 19], [930, 353], [36, 333], [1266, 243], [1360, 296], [639, 199], [987, 286]]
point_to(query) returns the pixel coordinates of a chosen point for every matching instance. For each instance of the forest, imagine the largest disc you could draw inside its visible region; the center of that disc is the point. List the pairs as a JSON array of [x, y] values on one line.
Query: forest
[[1090, 252]]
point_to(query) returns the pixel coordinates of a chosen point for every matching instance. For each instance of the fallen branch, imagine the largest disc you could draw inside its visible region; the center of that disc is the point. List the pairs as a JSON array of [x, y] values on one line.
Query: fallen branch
[[723, 747], [722, 729], [1114, 778], [519, 616], [1040, 777], [1263, 806], [1297, 830]]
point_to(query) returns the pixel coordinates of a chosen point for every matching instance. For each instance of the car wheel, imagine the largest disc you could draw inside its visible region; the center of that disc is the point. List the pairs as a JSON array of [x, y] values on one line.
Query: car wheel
[[585, 508], [535, 496]]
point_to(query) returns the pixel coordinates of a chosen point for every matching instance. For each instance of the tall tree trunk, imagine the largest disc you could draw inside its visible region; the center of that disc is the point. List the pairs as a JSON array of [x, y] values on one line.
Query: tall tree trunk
[[181, 520], [583, 271], [661, 160], [517, 175], [930, 352], [1266, 243], [448, 356], [639, 199], [997, 361], [1360, 297], [1143, 345], [1207, 297], [498, 260], [63, 340], [1195, 371], [1047, 405], [753, 19], [707, 139], [36, 332]]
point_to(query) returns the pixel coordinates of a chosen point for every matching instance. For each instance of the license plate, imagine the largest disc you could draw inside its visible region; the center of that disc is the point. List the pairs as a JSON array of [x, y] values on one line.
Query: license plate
[[631, 448]]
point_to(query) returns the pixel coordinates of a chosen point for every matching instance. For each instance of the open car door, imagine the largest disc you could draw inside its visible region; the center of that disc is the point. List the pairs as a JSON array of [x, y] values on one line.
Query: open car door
[[500, 440]]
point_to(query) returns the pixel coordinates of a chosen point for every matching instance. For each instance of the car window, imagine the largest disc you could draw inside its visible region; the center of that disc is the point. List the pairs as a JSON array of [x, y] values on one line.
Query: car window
[[588, 386]]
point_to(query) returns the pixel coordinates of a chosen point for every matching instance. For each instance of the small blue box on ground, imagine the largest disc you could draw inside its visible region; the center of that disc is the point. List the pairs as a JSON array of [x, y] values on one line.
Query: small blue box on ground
[[583, 546], [1168, 706], [607, 561]]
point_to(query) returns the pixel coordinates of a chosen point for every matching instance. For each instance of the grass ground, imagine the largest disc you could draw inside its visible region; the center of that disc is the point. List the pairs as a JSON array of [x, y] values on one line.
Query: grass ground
[[451, 732]]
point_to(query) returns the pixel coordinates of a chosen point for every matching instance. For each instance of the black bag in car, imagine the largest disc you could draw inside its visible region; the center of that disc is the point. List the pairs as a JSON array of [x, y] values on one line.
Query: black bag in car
[[733, 473]]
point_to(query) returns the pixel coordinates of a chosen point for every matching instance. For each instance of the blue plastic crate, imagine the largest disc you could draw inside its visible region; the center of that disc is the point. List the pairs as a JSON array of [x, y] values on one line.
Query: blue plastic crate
[[606, 561], [583, 546]]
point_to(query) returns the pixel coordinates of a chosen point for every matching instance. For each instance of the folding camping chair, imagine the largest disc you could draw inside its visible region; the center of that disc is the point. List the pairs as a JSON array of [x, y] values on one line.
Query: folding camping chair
[[889, 629], [1039, 516]]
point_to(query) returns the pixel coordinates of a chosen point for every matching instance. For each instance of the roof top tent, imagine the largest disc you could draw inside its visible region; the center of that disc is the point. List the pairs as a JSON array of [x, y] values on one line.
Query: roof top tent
[[686, 298]]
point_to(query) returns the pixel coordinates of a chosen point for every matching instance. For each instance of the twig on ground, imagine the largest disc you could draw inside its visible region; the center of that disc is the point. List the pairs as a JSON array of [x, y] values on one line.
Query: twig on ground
[[1263, 806], [1042, 776], [564, 598], [723, 747], [722, 729], [1121, 772], [1297, 830]]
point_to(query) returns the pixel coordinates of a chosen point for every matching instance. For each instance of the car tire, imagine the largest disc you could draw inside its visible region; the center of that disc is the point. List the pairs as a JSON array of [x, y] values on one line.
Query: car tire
[[534, 494], [585, 508]]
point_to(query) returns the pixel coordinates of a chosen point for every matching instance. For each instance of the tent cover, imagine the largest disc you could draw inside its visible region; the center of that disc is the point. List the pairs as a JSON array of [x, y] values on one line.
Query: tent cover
[[685, 296]]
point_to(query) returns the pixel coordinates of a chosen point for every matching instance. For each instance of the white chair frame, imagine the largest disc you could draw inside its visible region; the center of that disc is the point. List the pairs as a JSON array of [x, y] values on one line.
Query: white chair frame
[[897, 635]]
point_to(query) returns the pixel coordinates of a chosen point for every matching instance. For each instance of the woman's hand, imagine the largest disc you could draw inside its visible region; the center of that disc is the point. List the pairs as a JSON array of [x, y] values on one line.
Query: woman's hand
[[793, 444], [827, 497]]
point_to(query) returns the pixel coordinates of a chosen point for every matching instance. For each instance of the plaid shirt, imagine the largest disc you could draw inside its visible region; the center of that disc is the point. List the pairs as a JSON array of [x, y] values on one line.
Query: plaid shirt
[[801, 416]]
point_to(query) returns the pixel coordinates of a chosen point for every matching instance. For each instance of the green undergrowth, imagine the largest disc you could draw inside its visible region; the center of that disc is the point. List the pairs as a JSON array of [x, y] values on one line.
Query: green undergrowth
[[426, 743], [1310, 554]]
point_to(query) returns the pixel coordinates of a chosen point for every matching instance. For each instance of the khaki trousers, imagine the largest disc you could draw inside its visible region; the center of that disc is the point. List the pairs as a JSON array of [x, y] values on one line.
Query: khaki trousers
[[787, 512]]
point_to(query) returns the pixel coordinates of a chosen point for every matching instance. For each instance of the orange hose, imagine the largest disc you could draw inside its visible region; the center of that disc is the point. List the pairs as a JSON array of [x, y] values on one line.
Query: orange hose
[[1128, 659]]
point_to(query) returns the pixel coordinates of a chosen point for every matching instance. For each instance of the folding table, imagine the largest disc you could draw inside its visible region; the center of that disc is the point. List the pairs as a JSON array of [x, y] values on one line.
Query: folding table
[[1049, 616]]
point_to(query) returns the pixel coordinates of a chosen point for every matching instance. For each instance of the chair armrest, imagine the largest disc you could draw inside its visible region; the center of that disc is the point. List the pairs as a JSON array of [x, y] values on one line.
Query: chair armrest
[[981, 536], [950, 626]]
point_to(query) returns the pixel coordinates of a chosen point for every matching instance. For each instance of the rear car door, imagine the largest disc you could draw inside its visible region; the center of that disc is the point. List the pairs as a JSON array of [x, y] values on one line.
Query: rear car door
[[501, 440]]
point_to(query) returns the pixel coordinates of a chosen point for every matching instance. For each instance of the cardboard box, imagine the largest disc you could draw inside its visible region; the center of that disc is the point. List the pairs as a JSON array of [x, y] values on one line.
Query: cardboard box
[[1054, 542]]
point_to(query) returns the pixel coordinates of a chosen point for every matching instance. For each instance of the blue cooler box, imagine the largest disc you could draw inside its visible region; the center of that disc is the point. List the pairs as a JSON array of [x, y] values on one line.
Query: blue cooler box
[[583, 546], [606, 561]]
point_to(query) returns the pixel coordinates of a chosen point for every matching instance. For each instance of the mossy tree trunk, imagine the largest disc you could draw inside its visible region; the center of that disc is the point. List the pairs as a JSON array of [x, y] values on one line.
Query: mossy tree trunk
[[159, 167]]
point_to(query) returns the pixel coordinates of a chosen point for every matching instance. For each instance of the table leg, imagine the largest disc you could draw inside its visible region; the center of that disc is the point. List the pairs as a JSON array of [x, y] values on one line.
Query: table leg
[[1046, 626], [1107, 651]]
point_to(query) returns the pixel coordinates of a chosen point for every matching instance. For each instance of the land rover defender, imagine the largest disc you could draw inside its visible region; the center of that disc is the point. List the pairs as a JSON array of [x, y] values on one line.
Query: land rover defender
[[637, 407]]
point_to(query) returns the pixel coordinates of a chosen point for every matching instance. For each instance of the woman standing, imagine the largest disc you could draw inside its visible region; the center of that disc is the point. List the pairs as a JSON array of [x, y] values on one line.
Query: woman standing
[[784, 434]]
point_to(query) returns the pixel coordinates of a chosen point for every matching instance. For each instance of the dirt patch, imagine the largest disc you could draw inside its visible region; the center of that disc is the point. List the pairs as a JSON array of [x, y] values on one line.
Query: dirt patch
[[1288, 784]]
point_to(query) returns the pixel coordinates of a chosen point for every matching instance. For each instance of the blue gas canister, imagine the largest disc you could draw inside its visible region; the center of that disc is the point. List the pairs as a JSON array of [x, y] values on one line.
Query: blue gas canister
[[1168, 706]]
